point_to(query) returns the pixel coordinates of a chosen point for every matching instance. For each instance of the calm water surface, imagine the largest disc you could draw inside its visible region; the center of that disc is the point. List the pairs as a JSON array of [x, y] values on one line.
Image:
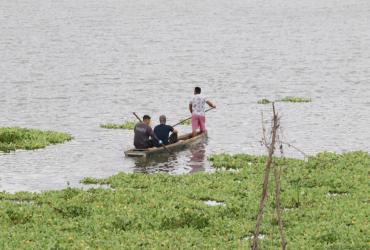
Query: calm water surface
[[71, 65]]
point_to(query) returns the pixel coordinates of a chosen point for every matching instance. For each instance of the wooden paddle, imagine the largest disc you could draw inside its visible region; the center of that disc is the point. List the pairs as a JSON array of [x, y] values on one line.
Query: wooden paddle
[[190, 118], [155, 137]]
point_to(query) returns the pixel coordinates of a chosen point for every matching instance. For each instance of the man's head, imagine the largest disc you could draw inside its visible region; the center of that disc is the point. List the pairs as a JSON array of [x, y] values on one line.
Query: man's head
[[146, 119], [197, 90], [162, 119]]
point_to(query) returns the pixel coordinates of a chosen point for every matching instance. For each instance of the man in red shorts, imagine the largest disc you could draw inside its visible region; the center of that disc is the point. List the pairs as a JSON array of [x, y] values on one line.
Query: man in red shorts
[[197, 109]]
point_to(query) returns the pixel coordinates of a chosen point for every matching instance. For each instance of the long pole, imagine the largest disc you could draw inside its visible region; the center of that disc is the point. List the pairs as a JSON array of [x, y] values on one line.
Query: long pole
[[189, 118], [154, 136]]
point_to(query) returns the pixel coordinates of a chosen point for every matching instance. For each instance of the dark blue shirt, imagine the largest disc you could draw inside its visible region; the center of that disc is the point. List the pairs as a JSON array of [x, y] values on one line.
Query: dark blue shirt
[[162, 132]]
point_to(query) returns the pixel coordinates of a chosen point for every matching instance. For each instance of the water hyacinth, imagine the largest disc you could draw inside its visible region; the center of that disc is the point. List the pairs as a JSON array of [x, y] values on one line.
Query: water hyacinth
[[187, 122], [295, 99], [264, 101], [291, 99], [162, 211], [129, 125], [22, 138]]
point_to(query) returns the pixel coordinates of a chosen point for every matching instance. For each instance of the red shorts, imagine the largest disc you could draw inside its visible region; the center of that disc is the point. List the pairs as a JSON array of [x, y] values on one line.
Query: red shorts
[[198, 121]]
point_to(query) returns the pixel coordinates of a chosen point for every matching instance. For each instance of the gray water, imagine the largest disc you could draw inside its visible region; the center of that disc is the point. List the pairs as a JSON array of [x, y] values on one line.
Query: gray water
[[71, 65]]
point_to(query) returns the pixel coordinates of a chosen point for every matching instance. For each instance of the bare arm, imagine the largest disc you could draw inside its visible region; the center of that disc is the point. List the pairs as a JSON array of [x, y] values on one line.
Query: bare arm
[[191, 108], [173, 130], [211, 104]]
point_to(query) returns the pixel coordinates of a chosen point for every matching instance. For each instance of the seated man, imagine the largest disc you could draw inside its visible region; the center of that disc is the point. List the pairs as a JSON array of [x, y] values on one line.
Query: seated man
[[162, 132], [143, 132]]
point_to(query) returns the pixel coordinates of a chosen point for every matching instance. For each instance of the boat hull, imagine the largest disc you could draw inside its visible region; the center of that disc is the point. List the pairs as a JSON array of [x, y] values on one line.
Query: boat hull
[[183, 142]]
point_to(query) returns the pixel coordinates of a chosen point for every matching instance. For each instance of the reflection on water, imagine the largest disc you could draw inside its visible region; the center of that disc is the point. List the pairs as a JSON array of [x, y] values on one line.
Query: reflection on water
[[164, 162], [197, 158]]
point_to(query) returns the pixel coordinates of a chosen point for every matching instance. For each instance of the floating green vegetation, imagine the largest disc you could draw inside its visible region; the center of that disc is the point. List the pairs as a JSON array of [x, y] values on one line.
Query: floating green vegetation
[[325, 201], [187, 122], [130, 125], [285, 99], [264, 101], [295, 99], [23, 138]]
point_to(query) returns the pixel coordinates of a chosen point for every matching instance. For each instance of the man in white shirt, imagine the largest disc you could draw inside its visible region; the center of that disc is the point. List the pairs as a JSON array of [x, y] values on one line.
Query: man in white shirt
[[197, 109]]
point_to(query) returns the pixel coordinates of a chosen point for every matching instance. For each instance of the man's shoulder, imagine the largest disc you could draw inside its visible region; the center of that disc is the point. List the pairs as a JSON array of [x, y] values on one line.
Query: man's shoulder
[[143, 125], [199, 96], [137, 125], [160, 127]]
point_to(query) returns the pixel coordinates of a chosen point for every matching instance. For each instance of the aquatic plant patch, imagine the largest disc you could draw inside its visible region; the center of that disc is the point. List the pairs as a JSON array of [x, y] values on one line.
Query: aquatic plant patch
[[22, 138], [264, 101], [162, 211], [286, 99], [295, 99], [187, 122], [129, 125]]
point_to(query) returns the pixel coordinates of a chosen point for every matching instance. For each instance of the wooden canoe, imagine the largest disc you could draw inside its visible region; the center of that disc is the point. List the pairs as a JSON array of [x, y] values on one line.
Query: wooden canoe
[[182, 142]]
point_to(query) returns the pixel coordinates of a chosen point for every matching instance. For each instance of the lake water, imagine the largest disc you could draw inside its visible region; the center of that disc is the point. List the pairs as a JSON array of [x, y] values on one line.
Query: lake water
[[71, 65]]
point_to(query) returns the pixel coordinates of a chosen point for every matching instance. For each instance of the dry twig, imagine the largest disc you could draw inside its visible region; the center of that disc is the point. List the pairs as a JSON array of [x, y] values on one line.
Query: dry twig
[[271, 149]]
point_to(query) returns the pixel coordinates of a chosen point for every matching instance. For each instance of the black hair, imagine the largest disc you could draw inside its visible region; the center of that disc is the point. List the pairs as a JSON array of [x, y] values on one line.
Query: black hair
[[146, 117], [197, 90]]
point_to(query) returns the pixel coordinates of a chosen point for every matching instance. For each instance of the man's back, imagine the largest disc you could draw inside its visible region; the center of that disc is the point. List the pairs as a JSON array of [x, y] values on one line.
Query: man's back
[[162, 132], [198, 102], [142, 134]]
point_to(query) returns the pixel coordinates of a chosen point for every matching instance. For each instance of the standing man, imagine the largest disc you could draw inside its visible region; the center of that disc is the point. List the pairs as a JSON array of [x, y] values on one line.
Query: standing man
[[143, 132], [197, 109]]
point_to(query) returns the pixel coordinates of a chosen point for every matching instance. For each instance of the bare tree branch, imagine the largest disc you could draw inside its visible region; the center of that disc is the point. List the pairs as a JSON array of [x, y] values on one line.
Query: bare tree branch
[[297, 149], [271, 150], [264, 140]]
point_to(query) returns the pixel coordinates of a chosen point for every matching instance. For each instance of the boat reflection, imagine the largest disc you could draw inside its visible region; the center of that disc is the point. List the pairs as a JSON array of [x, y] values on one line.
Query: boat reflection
[[158, 163], [197, 158], [191, 160]]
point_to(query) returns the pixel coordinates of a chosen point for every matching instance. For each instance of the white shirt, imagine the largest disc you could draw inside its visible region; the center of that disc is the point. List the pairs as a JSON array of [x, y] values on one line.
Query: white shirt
[[198, 103]]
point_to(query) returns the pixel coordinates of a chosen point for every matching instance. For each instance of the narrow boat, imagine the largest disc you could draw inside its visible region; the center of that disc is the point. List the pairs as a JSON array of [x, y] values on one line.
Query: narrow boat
[[182, 142]]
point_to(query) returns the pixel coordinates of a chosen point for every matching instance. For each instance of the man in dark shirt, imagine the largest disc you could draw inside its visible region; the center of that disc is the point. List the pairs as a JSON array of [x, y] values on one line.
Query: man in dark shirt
[[162, 131], [143, 132]]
